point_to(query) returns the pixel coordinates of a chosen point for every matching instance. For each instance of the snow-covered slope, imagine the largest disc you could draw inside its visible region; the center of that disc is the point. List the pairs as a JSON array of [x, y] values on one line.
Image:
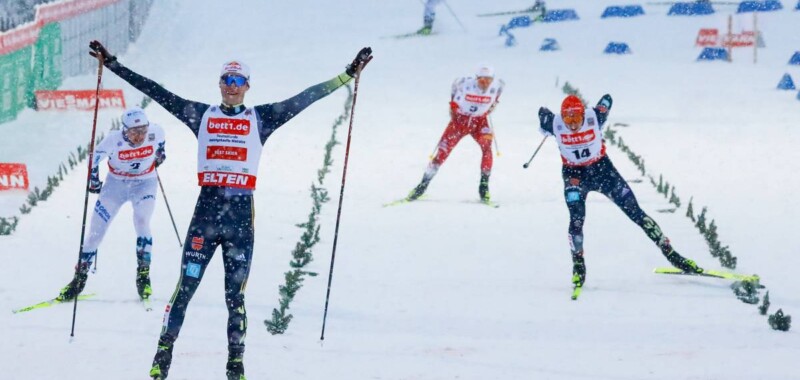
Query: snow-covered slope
[[444, 288]]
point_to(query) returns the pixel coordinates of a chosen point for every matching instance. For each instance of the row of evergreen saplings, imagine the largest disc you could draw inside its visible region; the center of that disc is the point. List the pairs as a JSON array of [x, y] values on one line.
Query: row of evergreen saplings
[[302, 253]]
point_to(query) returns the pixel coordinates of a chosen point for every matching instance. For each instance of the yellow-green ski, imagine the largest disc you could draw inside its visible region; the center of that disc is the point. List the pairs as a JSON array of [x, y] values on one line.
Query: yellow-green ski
[[710, 273], [49, 303]]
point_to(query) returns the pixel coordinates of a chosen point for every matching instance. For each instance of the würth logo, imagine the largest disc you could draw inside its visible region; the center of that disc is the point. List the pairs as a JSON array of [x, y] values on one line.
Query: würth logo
[[228, 126], [578, 138], [231, 153], [478, 98], [133, 154]]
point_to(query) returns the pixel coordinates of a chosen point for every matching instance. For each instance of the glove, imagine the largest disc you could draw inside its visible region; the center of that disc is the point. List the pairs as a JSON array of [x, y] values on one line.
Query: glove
[[98, 49], [95, 185], [160, 158], [604, 104], [362, 58], [545, 114]]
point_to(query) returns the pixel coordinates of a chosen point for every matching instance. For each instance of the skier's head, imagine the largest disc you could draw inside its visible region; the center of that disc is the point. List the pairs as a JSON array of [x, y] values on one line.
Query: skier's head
[[134, 125], [572, 110], [234, 81], [485, 76]]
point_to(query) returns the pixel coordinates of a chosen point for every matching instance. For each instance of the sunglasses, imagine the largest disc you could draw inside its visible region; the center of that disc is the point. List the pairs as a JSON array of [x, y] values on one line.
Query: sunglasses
[[140, 130], [573, 118], [230, 79]]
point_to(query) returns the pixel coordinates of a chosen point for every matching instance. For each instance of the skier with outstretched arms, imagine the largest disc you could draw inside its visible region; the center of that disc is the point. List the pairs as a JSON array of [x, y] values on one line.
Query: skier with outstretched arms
[[230, 139]]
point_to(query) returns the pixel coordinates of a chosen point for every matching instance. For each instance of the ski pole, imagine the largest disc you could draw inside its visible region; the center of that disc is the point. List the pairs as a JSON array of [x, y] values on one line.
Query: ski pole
[[494, 136], [341, 196], [178, 235], [454, 15], [525, 165], [100, 60]]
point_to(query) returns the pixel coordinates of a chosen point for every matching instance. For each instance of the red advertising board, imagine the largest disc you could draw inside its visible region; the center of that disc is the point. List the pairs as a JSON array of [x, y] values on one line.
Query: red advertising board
[[743, 39], [77, 100], [707, 37], [13, 177]]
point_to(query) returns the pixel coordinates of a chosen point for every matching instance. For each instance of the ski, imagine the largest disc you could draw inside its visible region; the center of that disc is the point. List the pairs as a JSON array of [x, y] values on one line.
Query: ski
[[408, 35], [576, 292], [48, 303], [529, 10], [148, 306], [397, 202], [489, 203], [710, 273]]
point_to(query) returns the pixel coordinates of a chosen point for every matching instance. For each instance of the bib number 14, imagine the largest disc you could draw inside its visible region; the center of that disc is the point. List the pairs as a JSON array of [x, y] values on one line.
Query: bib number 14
[[581, 153]]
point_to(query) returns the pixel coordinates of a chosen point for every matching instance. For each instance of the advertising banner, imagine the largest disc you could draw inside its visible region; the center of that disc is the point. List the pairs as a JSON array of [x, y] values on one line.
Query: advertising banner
[[78, 100], [13, 177]]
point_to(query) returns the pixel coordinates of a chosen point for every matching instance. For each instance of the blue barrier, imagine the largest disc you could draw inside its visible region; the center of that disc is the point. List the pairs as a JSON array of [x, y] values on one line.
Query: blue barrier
[[557, 15], [795, 60], [759, 6], [713, 54], [623, 11], [550, 44], [797, 8], [617, 48], [786, 83], [691, 9], [519, 22]]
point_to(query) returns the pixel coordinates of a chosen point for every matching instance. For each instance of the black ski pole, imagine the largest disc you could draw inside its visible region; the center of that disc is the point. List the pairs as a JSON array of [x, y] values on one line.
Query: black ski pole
[[525, 165], [100, 60], [178, 235], [341, 197]]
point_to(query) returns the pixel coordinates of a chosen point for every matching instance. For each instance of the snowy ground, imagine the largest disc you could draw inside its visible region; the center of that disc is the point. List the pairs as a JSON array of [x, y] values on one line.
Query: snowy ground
[[444, 288]]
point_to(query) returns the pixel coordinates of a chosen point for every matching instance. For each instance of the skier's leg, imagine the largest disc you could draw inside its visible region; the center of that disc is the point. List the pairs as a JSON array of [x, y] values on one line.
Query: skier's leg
[[575, 196], [143, 199], [202, 240], [237, 249], [450, 138], [617, 189], [482, 135], [111, 198]]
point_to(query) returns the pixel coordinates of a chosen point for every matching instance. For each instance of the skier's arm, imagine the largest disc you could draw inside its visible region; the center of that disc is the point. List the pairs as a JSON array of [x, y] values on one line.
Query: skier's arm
[[546, 121], [602, 109], [188, 112], [273, 115], [497, 98], [161, 151], [101, 152]]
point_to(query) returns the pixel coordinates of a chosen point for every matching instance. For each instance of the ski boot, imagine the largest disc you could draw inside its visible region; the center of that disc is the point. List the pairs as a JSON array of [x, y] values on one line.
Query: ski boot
[[483, 188], [578, 269], [75, 287], [417, 191], [234, 370], [143, 282], [162, 360], [682, 263]]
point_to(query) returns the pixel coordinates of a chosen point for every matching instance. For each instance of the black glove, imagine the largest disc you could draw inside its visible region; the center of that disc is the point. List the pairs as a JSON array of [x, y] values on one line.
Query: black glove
[[99, 49], [545, 115], [362, 58], [604, 104], [95, 185], [160, 158]]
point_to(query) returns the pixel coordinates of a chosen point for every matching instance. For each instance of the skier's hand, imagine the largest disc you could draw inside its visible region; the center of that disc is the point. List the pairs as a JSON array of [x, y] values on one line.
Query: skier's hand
[[98, 49], [95, 185], [545, 115], [160, 158], [604, 104], [453, 109], [362, 58]]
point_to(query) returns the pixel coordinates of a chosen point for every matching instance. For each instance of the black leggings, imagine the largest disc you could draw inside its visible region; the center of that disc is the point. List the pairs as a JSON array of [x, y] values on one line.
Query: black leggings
[[603, 177], [217, 220]]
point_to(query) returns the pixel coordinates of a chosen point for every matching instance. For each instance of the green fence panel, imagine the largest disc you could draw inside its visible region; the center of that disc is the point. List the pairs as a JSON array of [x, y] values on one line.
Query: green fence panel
[[47, 73], [15, 84]]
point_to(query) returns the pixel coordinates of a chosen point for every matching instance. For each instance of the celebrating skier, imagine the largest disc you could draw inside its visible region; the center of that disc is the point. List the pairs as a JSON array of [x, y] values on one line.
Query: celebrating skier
[[133, 154], [230, 139], [586, 167], [472, 99]]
